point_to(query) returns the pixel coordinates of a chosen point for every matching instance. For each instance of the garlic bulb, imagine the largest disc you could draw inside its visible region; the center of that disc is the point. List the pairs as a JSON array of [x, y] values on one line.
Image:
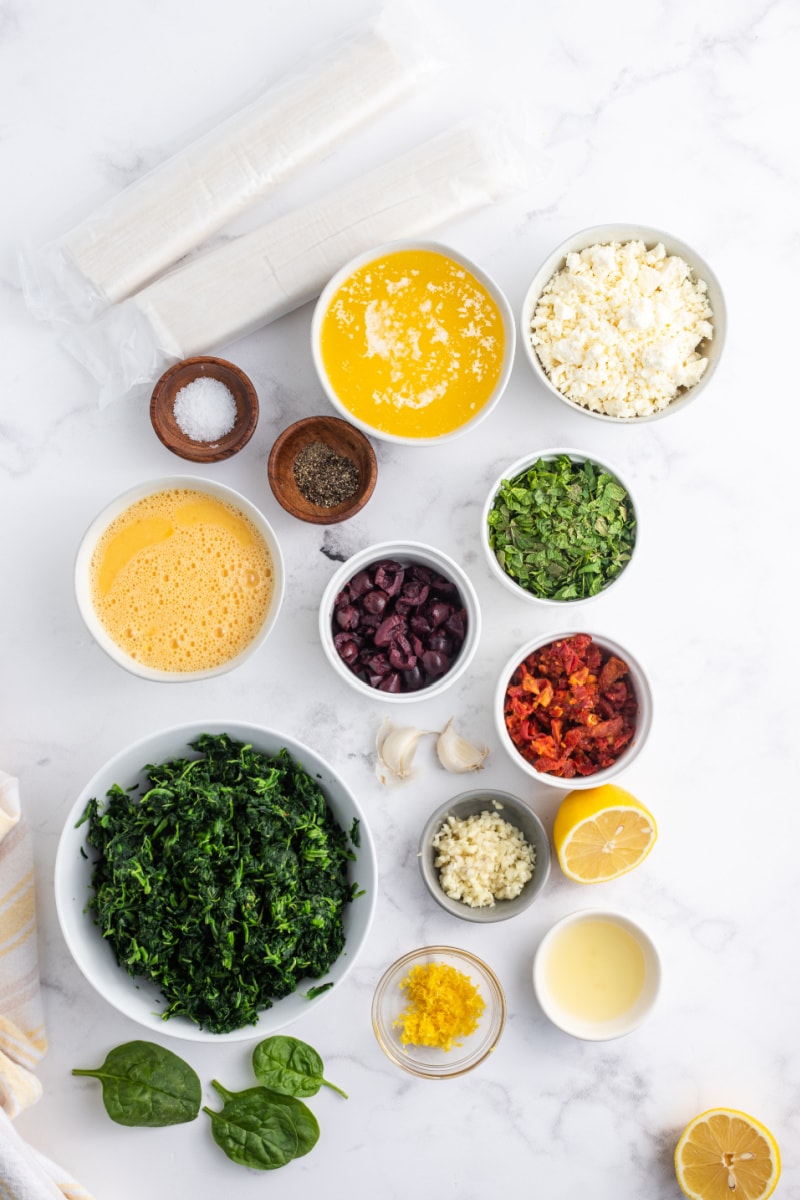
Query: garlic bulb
[[396, 747], [456, 753]]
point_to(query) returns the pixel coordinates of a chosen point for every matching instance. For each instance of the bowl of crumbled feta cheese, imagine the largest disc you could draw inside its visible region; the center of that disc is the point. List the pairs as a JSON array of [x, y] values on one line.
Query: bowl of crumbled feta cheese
[[624, 323], [484, 856]]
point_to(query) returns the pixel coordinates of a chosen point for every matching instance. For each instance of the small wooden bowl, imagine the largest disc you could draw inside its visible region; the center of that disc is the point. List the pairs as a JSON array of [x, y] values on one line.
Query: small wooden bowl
[[343, 438], [162, 409]]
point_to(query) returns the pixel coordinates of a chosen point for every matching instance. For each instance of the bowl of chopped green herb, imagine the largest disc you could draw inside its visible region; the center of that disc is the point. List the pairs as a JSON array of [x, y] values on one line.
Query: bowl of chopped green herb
[[559, 527], [215, 881]]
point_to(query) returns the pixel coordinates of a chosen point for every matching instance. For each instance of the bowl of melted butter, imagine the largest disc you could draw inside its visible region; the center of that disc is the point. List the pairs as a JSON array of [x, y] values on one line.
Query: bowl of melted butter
[[179, 579], [413, 342]]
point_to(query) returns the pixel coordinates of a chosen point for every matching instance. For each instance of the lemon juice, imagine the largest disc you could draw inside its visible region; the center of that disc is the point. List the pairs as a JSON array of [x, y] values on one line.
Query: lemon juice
[[595, 970]]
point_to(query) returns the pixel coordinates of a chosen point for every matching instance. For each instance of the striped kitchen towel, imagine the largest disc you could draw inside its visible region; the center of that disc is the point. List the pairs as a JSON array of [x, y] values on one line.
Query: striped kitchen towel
[[24, 1173]]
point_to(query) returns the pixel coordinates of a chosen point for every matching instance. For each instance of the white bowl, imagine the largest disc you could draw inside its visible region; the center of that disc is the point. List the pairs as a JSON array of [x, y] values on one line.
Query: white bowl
[[644, 696], [517, 468], [404, 552], [600, 235], [579, 1025], [83, 592], [361, 260], [136, 997]]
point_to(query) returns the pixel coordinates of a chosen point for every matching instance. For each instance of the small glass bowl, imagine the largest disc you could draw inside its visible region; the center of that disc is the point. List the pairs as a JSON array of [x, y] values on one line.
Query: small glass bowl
[[426, 1062]]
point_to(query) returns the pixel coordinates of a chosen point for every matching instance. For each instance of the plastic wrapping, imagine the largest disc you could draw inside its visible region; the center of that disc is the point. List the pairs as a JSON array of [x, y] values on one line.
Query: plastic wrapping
[[149, 226], [245, 283]]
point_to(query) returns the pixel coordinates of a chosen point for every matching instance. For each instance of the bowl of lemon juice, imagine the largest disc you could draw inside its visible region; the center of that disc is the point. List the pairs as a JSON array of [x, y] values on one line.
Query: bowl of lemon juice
[[596, 974]]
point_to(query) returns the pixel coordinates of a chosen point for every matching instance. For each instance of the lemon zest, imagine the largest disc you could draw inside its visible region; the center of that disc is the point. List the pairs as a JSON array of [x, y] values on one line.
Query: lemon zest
[[443, 1005]]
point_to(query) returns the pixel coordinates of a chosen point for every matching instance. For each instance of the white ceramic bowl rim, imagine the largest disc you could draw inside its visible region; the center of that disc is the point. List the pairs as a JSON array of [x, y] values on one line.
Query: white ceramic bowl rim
[[117, 506], [414, 552], [517, 468], [137, 997], [622, 232], [380, 251], [644, 696], [601, 1030]]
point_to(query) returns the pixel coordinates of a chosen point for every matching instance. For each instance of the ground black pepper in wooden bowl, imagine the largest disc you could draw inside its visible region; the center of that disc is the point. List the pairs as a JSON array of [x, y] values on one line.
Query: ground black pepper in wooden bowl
[[322, 470], [325, 477]]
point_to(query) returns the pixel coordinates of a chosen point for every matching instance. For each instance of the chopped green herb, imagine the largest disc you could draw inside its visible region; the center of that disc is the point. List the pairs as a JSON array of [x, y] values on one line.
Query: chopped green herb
[[290, 1066], [225, 883], [144, 1084], [563, 529]]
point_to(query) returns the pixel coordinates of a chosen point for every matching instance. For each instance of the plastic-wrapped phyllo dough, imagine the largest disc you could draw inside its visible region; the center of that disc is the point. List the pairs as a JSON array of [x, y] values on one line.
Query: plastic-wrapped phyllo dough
[[243, 284], [149, 226]]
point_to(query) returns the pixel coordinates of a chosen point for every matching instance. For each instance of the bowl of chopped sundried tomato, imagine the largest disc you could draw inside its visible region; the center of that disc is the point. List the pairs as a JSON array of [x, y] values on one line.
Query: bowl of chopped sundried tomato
[[573, 709]]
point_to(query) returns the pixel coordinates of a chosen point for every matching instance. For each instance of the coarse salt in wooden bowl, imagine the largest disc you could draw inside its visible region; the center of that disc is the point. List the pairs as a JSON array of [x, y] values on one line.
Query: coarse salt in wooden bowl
[[297, 473], [190, 430]]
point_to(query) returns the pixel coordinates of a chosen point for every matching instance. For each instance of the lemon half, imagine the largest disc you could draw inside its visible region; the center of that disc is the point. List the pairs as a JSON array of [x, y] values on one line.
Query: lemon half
[[724, 1153], [602, 832]]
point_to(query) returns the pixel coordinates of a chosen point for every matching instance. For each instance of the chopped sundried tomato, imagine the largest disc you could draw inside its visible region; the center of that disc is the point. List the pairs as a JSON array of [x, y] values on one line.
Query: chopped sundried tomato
[[570, 708]]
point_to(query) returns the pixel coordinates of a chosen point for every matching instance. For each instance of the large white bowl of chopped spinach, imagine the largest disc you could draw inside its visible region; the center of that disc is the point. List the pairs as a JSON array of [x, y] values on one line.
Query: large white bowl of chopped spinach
[[215, 881], [559, 527]]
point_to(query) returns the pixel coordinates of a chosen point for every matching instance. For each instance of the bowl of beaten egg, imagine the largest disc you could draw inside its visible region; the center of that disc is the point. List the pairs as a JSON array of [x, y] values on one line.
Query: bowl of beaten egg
[[412, 342], [179, 579]]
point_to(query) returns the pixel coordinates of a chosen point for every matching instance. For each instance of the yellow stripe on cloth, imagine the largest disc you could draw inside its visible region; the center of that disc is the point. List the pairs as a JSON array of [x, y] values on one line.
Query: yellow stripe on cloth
[[25, 1174]]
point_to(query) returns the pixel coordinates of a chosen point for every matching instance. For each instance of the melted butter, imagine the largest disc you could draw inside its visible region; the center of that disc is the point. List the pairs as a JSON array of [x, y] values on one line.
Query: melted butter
[[413, 344], [595, 970], [181, 581]]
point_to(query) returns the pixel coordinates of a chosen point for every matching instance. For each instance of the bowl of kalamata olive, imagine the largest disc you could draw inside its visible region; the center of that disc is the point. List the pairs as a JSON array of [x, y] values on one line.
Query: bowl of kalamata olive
[[400, 621]]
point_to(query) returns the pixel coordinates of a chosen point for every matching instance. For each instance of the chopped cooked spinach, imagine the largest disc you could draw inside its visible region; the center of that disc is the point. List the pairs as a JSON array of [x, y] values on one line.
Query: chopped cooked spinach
[[225, 883], [290, 1067], [145, 1084], [563, 528]]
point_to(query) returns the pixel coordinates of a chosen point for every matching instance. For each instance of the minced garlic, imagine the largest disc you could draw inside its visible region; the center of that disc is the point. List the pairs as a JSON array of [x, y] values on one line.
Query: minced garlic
[[482, 859], [443, 1004]]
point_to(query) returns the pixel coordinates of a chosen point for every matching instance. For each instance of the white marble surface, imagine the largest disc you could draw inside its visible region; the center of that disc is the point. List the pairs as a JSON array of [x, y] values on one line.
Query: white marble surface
[[681, 116]]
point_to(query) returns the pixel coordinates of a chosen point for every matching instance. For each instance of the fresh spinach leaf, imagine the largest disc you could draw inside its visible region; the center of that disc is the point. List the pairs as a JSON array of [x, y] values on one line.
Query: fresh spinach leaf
[[252, 1129], [144, 1084], [289, 1066], [305, 1123]]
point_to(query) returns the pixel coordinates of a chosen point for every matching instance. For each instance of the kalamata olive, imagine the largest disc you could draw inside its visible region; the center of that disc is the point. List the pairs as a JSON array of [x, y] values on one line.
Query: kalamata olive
[[359, 584], [438, 612], [401, 656], [347, 647], [389, 627], [415, 592], [389, 576], [398, 627], [347, 616], [435, 663], [374, 601], [414, 679], [456, 624], [375, 662]]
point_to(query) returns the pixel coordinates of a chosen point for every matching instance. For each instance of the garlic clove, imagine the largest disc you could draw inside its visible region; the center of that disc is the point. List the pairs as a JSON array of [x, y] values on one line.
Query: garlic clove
[[456, 753], [396, 747]]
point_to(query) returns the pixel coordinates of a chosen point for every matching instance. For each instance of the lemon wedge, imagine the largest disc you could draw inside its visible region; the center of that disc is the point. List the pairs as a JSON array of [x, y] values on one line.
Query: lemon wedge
[[724, 1153], [602, 832]]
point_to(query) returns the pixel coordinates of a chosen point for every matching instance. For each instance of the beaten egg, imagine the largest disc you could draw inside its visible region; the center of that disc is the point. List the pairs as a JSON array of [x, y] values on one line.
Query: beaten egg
[[413, 344], [181, 581]]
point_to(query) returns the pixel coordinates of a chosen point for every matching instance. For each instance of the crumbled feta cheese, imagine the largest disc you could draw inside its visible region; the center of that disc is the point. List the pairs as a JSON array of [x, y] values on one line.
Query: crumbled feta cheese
[[482, 859], [617, 329]]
